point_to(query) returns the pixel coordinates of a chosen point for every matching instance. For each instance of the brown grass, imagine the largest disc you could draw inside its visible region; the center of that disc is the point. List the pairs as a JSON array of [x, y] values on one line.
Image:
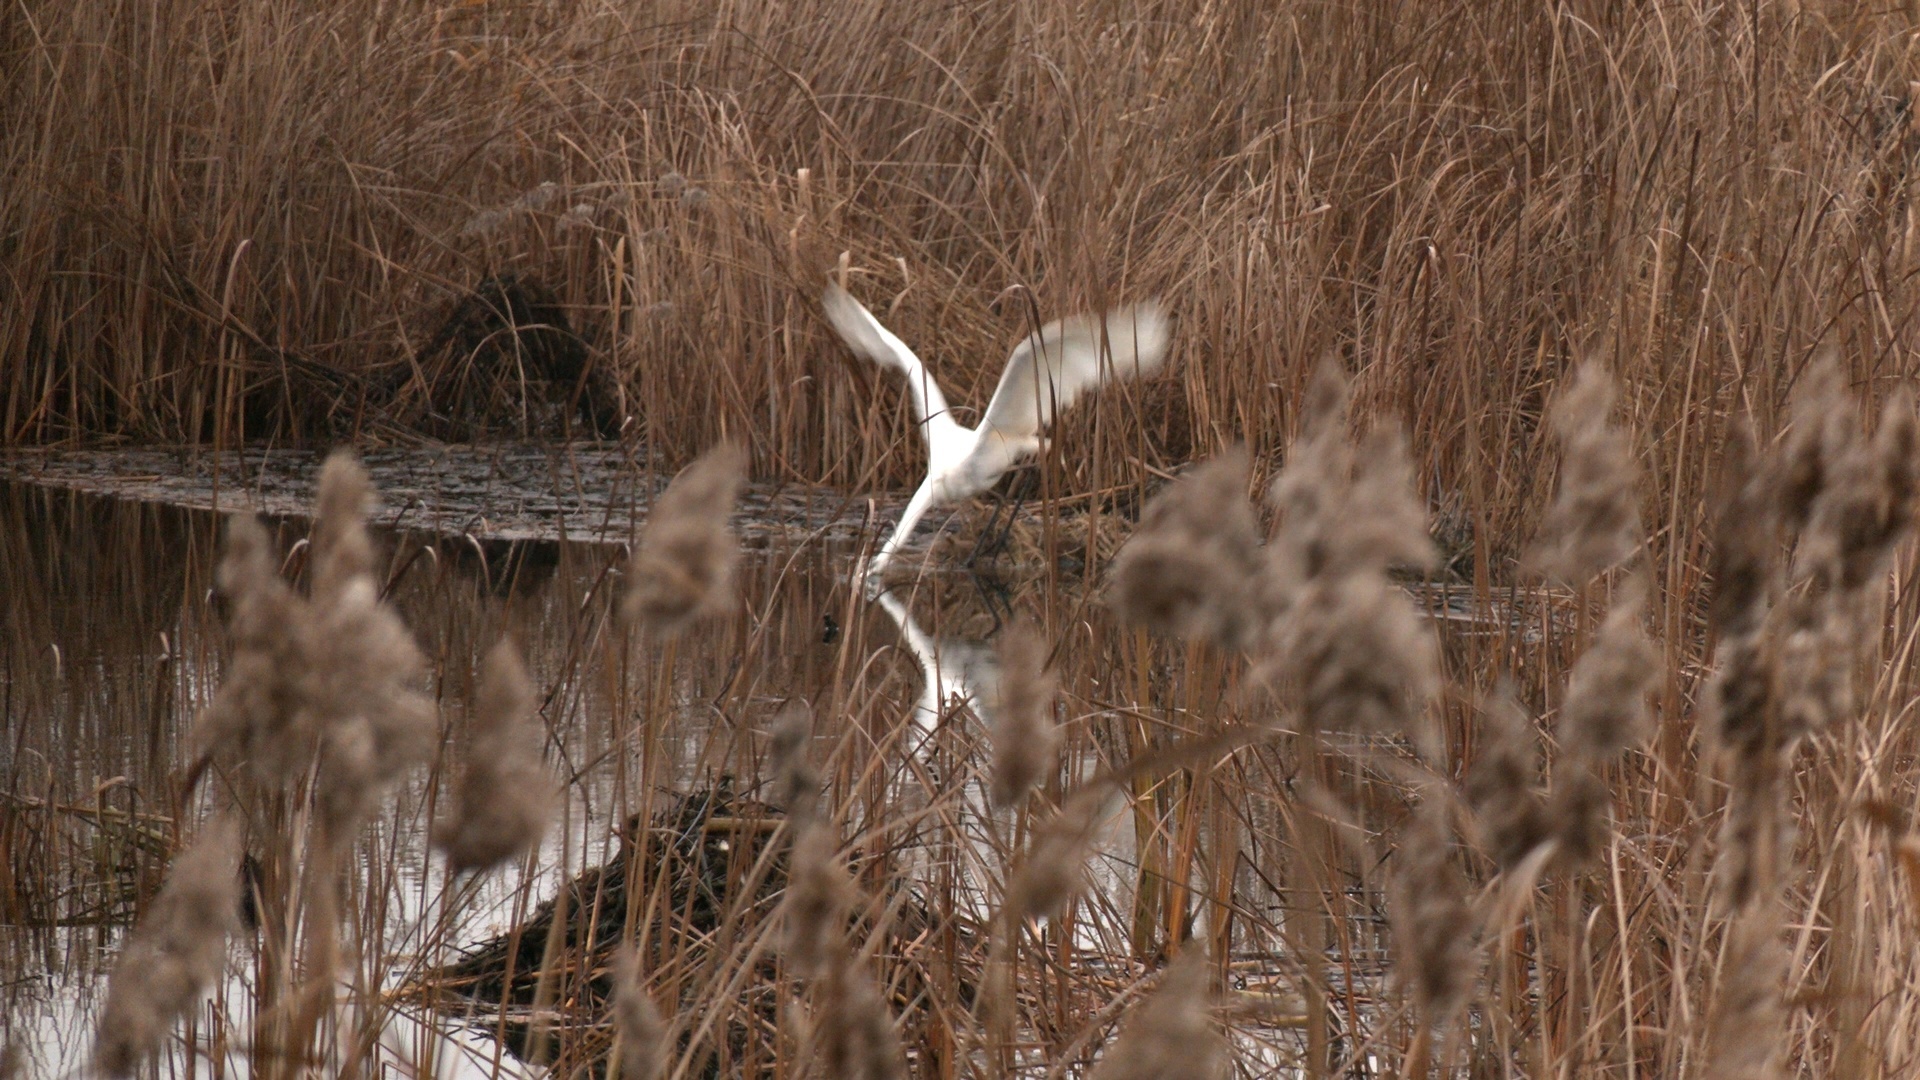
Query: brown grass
[[240, 222]]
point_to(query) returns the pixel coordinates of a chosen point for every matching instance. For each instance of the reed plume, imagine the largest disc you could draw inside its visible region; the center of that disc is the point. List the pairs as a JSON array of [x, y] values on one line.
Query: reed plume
[[854, 1036], [378, 724], [1026, 741], [265, 713], [1753, 496], [1603, 716], [1748, 1011], [1432, 921], [1605, 713], [1193, 567], [1171, 1035], [1502, 785], [1593, 522], [683, 569], [1054, 870], [1819, 434], [504, 799], [644, 1049], [334, 675], [796, 784], [818, 894], [176, 953], [1350, 641]]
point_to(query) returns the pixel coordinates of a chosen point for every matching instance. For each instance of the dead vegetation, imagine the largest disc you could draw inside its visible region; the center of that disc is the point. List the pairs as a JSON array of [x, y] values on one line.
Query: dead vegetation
[[1626, 291]]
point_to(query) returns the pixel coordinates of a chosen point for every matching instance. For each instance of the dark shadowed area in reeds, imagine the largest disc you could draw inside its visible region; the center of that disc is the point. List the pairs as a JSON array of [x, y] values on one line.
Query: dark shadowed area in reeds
[[1486, 650]]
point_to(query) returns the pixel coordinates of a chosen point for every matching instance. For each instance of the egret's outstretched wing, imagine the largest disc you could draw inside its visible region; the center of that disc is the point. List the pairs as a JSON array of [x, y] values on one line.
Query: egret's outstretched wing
[[864, 335], [1050, 369]]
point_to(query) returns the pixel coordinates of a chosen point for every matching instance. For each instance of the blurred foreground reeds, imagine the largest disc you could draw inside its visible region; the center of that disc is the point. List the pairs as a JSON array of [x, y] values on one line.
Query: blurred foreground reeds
[[1621, 293]]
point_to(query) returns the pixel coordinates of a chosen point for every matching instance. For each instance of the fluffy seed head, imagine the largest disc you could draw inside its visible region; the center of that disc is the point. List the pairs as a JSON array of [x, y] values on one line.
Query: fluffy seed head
[[342, 550], [1594, 522], [818, 893], [644, 1048], [1344, 509], [1054, 870], [1745, 548], [176, 952], [378, 723], [1579, 810], [505, 797], [684, 567], [855, 1035], [1025, 739], [796, 782], [1432, 924], [1821, 433], [267, 712], [1748, 1014], [1754, 836], [1171, 1033], [1502, 784], [1866, 506], [1192, 568], [1359, 654], [1606, 705]]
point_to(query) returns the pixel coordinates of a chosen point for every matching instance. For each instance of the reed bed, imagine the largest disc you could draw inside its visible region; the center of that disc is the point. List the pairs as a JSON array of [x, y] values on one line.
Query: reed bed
[[1507, 670]]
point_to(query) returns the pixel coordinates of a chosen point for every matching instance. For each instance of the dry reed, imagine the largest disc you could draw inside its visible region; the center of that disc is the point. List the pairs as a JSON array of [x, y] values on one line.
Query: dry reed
[[1454, 199], [175, 955], [684, 567], [644, 1049], [1026, 741], [1172, 1033], [1193, 567], [504, 798]]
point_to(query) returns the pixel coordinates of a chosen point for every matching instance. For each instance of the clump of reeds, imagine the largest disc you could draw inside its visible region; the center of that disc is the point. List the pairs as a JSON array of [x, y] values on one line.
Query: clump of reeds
[[504, 798], [177, 951], [1026, 741], [1172, 1033], [683, 568]]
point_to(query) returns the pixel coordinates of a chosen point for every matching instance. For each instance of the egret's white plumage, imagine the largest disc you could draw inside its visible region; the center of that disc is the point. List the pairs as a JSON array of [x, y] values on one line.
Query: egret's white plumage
[[1045, 373], [952, 670]]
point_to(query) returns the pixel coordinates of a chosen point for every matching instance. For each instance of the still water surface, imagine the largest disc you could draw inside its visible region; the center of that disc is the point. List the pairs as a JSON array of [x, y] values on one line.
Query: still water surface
[[110, 641]]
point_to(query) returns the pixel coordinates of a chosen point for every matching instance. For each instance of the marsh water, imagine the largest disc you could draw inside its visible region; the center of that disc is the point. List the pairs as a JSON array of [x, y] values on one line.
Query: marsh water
[[110, 640]]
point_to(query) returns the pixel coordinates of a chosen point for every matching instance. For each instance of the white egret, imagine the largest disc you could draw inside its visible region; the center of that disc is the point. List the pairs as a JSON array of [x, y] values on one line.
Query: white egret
[[952, 669], [1045, 373]]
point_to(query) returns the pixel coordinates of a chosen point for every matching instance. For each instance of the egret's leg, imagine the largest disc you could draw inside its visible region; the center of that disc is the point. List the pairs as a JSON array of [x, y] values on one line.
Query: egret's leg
[[917, 507]]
